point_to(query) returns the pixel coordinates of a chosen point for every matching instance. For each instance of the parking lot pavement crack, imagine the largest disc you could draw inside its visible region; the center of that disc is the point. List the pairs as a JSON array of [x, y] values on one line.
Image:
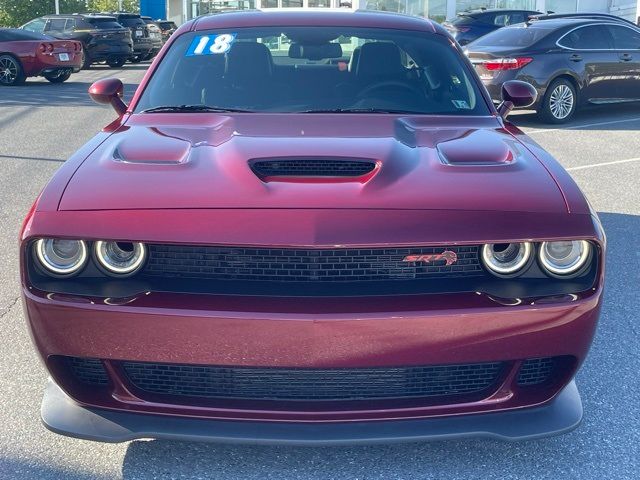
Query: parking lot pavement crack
[[8, 308]]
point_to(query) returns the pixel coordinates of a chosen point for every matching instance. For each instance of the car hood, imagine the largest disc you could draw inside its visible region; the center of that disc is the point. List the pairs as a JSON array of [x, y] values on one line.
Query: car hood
[[202, 160]]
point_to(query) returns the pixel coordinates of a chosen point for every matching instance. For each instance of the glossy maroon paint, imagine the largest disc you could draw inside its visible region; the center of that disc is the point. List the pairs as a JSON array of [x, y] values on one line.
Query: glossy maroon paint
[[185, 179], [34, 61]]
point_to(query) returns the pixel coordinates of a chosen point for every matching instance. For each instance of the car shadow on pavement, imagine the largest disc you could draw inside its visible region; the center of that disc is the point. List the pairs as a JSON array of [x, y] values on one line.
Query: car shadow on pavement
[[605, 117], [44, 94], [606, 442]]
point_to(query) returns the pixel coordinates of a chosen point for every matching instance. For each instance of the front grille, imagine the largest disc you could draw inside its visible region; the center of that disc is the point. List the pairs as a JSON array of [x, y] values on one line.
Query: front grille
[[89, 371], [535, 371], [313, 167], [312, 384], [308, 265]]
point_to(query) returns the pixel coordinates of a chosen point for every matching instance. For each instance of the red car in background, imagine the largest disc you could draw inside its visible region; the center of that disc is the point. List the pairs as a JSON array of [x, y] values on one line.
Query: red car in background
[[27, 54], [311, 227]]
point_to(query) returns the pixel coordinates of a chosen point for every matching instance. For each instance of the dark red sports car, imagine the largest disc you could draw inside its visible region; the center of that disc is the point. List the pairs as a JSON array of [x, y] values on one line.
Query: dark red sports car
[[311, 227], [27, 54]]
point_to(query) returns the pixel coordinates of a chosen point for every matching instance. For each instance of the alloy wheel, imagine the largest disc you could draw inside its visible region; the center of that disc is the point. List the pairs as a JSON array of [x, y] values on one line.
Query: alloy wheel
[[561, 101], [8, 71]]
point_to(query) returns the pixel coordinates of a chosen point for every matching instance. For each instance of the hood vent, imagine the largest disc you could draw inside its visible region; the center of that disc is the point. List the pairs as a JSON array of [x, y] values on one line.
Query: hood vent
[[292, 168]]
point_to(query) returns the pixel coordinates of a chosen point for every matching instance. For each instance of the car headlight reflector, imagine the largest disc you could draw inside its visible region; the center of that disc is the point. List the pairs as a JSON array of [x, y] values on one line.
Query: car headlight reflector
[[564, 257], [506, 258], [61, 256], [120, 258]]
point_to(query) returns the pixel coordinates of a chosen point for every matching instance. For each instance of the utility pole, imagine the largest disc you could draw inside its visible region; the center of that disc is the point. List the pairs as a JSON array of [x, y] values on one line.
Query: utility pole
[[119, 5], [57, 7]]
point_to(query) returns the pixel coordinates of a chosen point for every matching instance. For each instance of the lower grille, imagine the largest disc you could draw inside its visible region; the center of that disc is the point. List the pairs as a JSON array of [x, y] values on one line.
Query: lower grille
[[535, 371], [312, 384], [88, 371]]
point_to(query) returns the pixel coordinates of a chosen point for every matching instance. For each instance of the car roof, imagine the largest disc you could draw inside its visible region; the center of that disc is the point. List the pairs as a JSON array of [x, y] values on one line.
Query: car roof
[[81, 15], [494, 10], [553, 23], [291, 17]]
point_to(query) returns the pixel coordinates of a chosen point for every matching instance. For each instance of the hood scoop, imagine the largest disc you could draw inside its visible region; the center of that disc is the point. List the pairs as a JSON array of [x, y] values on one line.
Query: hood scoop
[[477, 148], [151, 148], [301, 169]]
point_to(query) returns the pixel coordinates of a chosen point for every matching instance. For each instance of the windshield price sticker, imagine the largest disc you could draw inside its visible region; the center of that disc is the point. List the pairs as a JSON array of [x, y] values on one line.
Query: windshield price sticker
[[211, 44]]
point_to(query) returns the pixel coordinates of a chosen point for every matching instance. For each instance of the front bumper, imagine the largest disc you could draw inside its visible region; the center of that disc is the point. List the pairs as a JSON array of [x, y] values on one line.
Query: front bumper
[[62, 415]]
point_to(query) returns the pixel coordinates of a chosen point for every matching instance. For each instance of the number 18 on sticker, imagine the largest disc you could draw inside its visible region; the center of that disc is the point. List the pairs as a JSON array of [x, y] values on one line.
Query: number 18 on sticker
[[211, 44]]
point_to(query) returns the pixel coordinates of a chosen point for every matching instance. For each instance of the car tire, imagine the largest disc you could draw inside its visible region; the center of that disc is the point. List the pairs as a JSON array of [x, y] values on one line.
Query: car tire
[[560, 102], [59, 78], [86, 61], [11, 71], [116, 62], [136, 59]]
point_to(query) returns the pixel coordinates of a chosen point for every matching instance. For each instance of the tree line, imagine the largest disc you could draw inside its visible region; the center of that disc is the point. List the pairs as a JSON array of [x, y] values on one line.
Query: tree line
[[14, 13]]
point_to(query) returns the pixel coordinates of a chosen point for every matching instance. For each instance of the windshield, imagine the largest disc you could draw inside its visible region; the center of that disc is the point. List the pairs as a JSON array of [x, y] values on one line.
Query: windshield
[[294, 69], [520, 35]]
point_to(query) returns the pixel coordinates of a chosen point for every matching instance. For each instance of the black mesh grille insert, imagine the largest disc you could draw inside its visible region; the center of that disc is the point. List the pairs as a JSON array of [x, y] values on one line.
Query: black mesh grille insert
[[535, 371], [308, 265], [312, 167], [312, 384], [89, 371]]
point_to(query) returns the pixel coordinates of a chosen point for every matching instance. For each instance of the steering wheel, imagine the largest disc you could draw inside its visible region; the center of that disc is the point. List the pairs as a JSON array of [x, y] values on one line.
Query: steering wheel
[[388, 84]]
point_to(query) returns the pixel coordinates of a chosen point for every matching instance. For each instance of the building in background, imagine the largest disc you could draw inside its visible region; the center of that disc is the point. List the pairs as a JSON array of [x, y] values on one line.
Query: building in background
[[182, 10]]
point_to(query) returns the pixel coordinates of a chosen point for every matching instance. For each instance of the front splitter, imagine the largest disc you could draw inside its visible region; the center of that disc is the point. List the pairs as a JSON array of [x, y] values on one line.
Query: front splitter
[[63, 415]]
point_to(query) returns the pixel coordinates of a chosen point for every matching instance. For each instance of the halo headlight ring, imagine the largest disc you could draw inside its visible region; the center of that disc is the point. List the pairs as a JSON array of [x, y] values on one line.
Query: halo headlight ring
[[513, 268], [51, 261], [574, 268], [106, 253]]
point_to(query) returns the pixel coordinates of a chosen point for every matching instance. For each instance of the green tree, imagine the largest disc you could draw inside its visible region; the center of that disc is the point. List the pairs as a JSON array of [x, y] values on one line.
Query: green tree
[[14, 13], [112, 5]]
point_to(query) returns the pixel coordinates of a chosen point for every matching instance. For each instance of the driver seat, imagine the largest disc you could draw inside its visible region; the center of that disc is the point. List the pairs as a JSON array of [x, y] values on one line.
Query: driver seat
[[379, 62]]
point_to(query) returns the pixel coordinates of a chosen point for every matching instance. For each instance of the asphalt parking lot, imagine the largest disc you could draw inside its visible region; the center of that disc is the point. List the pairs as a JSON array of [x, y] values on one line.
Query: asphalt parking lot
[[42, 124]]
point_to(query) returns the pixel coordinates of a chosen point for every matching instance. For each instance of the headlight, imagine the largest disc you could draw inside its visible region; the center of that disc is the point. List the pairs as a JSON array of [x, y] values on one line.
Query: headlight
[[506, 258], [120, 258], [566, 257], [60, 256]]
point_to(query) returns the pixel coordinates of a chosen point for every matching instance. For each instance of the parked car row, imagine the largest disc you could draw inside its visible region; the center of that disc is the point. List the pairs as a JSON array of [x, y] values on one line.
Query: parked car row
[[112, 38]]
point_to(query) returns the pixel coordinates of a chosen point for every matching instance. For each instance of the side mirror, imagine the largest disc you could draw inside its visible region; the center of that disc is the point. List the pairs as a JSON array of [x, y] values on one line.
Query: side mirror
[[516, 94], [109, 91]]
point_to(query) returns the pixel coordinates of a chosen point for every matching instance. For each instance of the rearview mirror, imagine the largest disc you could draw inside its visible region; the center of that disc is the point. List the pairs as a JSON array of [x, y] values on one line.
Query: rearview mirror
[[516, 94], [315, 52], [109, 91]]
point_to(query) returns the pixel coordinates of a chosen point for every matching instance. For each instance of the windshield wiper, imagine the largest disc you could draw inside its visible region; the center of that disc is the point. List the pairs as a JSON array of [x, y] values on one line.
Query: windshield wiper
[[193, 108], [361, 110]]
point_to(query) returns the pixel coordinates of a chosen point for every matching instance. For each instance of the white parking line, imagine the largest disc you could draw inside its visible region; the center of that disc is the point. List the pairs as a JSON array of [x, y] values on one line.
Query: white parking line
[[586, 125], [604, 164]]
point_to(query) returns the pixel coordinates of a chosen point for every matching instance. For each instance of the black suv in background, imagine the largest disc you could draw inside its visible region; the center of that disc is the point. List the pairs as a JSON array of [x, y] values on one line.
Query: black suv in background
[[571, 60], [469, 26], [143, 44], [103, 38]]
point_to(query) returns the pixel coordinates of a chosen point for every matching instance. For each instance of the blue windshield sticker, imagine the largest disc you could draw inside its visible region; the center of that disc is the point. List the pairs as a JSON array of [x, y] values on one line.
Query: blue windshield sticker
[[211, 44]]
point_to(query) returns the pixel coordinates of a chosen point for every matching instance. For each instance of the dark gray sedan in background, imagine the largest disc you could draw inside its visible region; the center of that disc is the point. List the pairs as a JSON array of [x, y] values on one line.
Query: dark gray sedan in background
[[572, 60]]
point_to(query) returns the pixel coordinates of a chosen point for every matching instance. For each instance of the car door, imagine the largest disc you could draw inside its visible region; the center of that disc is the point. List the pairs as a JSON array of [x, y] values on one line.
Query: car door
[[626, 42], [588, 51]]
